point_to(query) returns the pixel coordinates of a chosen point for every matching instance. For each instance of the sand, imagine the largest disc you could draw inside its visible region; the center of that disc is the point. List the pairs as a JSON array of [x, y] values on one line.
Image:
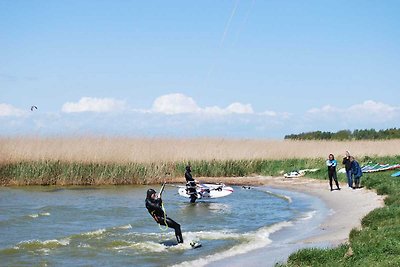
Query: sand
[[346, 209]]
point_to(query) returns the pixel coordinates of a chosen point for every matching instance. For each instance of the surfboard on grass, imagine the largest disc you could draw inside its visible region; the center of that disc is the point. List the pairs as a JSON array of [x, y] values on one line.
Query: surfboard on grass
[[369, 168], [294, 174], [396, 174]]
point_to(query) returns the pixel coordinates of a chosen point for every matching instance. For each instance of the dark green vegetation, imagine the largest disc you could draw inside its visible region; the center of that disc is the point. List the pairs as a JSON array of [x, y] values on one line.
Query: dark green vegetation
[[80, 173], [378, 243], [367, 134]]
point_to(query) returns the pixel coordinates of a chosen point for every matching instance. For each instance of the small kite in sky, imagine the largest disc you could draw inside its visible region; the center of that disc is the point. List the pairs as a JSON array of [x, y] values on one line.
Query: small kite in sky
[[33, 107]]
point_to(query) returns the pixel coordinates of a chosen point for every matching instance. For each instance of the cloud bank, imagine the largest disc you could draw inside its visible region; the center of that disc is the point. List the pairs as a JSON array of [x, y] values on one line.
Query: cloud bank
[[368, 111], [92, 104], [179, 115], [9, 110], [180, 104]]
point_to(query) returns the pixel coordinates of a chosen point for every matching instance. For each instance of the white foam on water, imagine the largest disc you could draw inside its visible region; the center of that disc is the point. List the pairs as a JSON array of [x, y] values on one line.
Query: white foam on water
[[254, 240], [64, 241], [38, 244], [95, 233], [83, 245], [211, 235], [36, 215], [309, 215], [44, 251], [147, 246], [124, 227]]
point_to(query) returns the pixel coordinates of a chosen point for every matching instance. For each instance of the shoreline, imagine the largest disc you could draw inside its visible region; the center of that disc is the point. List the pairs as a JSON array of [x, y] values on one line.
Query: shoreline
[[346, 208]]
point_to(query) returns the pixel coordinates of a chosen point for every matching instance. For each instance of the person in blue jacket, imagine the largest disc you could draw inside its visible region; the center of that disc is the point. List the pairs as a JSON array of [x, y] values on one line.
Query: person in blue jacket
[[356, 172], [332, 163]]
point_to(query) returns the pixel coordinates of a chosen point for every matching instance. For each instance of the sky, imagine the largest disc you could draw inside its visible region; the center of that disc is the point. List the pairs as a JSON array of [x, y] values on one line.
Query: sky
[[235, 69]]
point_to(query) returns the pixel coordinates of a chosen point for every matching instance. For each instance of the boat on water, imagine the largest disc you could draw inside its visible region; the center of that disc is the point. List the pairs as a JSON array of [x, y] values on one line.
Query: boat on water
[[205, 191]]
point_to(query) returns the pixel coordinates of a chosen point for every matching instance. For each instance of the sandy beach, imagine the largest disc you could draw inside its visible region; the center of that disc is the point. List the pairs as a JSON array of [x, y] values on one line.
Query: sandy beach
[[346, 208]]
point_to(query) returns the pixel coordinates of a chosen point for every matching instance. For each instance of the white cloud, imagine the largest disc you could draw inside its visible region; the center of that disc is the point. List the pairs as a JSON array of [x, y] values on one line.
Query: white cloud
[[368, 111], [94, 105], [175, 104], [377, 109], [9, 110], [240, 108], [324, 109], [180, 103]]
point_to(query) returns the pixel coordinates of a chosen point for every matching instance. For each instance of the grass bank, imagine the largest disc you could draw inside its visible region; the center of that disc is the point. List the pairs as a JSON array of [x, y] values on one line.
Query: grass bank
[[377, 243]]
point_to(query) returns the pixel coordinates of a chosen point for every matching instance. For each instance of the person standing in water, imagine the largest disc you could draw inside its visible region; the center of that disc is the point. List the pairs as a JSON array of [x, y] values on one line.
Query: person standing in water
[[155, 208], [331, 163], [356, 172], [347, 165], [191, 185]]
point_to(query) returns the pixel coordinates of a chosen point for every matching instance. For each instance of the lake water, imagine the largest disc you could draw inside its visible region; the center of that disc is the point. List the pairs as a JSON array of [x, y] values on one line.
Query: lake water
[[109, 226]]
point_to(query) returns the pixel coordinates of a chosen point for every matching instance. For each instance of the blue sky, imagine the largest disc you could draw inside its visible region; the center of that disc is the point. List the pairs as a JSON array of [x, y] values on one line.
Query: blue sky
[[246, 69]]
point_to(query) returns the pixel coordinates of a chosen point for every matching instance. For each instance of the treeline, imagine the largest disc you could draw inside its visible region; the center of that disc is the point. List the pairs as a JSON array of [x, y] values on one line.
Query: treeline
[[367, 134]]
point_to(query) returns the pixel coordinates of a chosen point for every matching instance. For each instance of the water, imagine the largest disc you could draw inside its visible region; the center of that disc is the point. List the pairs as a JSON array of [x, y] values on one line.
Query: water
[[109, 226]]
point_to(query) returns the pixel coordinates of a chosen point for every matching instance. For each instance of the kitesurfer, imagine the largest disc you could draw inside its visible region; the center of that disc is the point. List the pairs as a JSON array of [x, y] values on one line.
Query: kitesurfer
[[155, 207]]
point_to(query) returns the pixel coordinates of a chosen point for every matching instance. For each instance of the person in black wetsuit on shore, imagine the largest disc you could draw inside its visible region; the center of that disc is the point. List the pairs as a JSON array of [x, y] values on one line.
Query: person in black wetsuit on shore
[[331, 163], [154, 206]]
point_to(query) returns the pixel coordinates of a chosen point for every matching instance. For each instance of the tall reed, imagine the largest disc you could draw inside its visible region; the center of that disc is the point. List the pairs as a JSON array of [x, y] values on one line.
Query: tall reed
[[88, 173], [147, 150]]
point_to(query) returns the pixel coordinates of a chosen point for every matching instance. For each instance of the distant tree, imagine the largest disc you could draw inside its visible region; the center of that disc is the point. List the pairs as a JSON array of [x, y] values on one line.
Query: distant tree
[[343, 135], [364, 134]]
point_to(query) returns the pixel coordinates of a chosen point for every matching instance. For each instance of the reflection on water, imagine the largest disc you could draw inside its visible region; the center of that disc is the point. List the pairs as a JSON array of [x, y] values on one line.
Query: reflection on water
[[205, 207]]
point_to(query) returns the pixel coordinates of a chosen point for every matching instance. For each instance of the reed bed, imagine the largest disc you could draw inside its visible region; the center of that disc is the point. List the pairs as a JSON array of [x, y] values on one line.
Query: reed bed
[[98, 161], [50, 172], [154, 150]]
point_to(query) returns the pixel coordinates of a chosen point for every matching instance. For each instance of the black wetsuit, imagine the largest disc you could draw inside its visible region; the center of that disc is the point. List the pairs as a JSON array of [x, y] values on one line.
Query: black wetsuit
[[188, 175], [332, 173], [190, 185], [155, 210]]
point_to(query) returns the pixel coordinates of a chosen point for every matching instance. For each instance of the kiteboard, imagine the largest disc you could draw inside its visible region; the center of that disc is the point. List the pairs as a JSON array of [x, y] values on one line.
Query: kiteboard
[[207, 191], [170, 243]]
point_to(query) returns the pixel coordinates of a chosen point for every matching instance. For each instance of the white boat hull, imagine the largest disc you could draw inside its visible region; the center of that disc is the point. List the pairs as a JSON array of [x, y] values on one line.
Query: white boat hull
[[205, 191]]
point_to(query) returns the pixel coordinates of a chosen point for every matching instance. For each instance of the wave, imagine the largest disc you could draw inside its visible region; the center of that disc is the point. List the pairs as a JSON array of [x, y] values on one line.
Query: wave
[[254, 240], [147, 246], [38, 244], [309, 215], [284, 197], [36, 215], [93, 233], [123, 227]]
